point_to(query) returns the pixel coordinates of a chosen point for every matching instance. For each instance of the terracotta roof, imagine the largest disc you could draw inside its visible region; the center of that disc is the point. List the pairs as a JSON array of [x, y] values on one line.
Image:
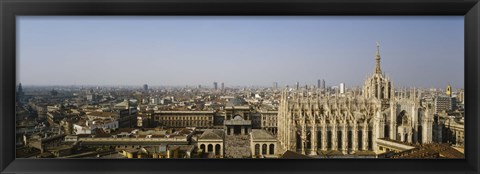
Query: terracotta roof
[[102, 114], [431, 151]]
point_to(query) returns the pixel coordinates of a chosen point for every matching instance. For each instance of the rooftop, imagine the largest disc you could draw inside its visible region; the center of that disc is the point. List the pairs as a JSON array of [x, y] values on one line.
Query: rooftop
[[237, 101], [261, 134], [138, 133], [431, 151], [213, 134], [102, 114]]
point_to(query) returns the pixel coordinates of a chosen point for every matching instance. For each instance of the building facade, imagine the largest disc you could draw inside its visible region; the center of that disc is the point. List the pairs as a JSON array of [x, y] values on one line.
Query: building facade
[[178, 119], [443, 103]]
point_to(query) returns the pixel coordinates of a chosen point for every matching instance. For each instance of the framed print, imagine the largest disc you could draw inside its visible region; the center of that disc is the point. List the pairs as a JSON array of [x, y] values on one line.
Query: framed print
[[227, 87]]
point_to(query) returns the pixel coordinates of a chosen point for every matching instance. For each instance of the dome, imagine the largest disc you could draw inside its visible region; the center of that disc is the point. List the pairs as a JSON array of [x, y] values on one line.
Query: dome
[[237, 101], [237, 117]]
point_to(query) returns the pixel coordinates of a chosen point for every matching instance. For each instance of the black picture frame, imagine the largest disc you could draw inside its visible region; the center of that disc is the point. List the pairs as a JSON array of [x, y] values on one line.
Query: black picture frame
[[9, 9]]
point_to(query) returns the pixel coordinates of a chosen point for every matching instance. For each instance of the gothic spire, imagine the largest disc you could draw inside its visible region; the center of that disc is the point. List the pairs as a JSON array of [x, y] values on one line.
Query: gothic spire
[[378, 70]]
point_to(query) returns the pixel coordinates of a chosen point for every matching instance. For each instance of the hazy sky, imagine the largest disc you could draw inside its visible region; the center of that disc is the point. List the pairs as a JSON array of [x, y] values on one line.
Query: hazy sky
[[417, 51]]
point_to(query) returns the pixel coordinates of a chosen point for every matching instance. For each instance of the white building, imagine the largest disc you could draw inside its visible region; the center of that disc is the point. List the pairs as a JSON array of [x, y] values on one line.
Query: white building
[[342, 88], [88, 126]]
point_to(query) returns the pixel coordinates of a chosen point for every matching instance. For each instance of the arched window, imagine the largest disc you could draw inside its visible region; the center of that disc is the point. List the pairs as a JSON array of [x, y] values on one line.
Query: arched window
[[386, 131], [264, 149], [405, 120], [382, 92], [370, 140], [217, 149], [329, 140], [360, 139], [420, 134], [402, 117], [309, 140], [272, 149], [299, 141], [210, 148], [389, 89], [350, 140], [257, 149], [339, 139], [319, 139], [202, 146]]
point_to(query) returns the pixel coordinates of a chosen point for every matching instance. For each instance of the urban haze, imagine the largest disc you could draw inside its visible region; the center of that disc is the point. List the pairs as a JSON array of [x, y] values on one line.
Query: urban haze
[[240, 87], [240, 51]]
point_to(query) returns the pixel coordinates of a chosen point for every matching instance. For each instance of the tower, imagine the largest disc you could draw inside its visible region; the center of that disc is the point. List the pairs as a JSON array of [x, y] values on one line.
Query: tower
[[378, 70], [20, 93], [342, 88], [378, 86], [20, 90], [448, 91], [145, 87]]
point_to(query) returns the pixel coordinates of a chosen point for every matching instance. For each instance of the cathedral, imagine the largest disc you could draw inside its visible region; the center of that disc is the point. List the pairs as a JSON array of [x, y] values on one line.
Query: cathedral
[[311, 121]]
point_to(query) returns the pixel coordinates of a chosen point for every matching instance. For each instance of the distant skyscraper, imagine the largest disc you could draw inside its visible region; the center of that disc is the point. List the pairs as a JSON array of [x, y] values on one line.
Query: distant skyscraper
[[223, 86], [145, 87], [319, 83], [443, 103], [215, 85], [342, 88], [275, 85], [323, 84], [298, 85]]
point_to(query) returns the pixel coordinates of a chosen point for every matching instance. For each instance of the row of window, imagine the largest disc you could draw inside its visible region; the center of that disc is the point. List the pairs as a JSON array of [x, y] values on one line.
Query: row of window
[[187, 123], [186, 118], [270, 124], [269, 119], [158, 118], [209, 148], [271, 149]]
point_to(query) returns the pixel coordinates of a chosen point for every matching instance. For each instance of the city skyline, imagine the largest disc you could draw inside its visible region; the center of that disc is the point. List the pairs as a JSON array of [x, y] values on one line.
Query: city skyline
[[238, 51]]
